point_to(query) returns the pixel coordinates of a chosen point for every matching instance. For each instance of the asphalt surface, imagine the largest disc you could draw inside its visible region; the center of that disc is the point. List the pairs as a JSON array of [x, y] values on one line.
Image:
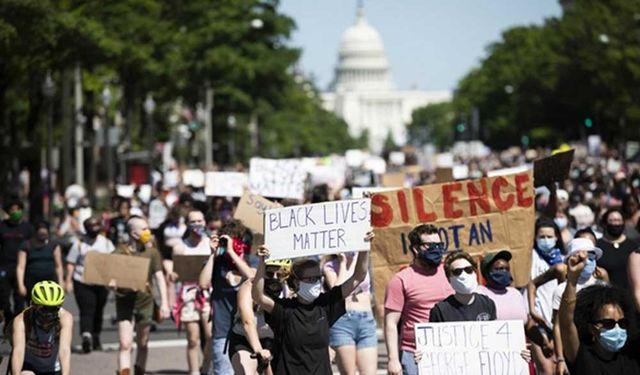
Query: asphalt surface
[[167, 353]]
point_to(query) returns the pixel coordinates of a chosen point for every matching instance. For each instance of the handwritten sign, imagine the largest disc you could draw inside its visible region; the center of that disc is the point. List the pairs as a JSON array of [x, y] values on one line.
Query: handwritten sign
[[225, 184], [277, 178], [477, 216], [129, 272], [315, 229], [471, 348], [250, 211], [188, 267]]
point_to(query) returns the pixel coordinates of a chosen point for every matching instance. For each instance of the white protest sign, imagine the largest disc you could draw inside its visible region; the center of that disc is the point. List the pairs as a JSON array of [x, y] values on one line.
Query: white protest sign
[[315, 229], [193, 177], [277, 178], [125, 191], [508, 171], [471, 348], [225, 184]]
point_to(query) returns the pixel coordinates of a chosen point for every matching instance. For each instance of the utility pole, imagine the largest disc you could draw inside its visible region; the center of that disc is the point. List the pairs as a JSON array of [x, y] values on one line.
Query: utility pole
[[208, 143], [80, 120]]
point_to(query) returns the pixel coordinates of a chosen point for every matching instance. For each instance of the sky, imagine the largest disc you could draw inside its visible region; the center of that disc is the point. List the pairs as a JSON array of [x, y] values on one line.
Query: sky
[[430, 44]]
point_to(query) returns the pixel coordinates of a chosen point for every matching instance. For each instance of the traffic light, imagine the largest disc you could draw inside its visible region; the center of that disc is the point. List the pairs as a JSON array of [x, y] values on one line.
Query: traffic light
[[588, 123], [460, 127]]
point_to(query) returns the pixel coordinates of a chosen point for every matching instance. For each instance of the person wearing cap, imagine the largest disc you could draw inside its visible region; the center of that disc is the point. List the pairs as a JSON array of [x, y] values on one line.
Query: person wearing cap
[[587, 278], [41, 334], [510, 303]]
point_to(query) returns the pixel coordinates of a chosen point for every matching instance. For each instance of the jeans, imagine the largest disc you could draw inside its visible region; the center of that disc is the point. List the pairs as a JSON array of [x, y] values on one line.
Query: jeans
[[91, 300], [221, 362], [409, 365]]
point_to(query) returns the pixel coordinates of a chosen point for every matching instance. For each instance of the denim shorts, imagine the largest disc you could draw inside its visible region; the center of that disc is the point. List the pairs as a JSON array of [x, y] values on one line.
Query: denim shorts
[[357, 328]]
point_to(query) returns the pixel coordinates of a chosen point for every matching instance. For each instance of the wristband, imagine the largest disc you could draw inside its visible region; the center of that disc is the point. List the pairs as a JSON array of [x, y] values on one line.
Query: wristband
[[559, 359]]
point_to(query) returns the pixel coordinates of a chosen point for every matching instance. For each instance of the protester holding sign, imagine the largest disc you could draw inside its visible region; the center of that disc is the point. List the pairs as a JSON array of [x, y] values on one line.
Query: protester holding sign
[[301, 324], [91, 299], [192, 303], [353, 336], [510, 303], [410, 296], [597, 326], [138, 305]]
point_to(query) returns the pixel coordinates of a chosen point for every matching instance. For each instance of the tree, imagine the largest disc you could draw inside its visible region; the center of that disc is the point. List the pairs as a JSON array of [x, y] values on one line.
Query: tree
[[432, 123]]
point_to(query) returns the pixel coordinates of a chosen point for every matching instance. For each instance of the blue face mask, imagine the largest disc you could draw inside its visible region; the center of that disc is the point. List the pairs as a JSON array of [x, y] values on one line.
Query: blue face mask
[[433, 255], [500, 278], [588, 270], [612, 340], [546, 244]]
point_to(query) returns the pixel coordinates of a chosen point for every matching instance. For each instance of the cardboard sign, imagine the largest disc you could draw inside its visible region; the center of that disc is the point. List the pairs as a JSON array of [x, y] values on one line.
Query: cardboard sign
[[188, 267], [277, 178], [392, 179], [508, 171], [471, 348], [553, 168], [251, 210], [477, 216], [129, 272], [444, 175], [226, 184], [316, 229]]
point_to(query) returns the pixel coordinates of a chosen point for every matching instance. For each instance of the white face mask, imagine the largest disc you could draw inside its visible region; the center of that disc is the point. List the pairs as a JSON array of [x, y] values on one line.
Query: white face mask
[[310, 291], [465, 283]]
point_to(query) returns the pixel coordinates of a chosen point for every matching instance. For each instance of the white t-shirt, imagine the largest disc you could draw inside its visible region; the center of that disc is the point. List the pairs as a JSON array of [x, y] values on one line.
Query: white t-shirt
[[559, 291], [202, 248], [79, 250], [544, 293]]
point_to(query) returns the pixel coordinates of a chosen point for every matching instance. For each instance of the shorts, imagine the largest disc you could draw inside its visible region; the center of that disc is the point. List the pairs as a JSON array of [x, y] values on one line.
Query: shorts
[[133, 307], [239, 342], [355, 328], [26, 366], [194, 306]]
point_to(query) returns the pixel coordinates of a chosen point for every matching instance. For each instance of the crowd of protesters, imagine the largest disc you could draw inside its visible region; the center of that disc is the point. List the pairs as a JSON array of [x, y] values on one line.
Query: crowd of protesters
[[247, 314]]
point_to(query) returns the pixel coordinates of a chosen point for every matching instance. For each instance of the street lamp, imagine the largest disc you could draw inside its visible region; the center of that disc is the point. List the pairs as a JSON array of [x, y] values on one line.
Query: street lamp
[[49, 91], [106, 101], [149, 108]]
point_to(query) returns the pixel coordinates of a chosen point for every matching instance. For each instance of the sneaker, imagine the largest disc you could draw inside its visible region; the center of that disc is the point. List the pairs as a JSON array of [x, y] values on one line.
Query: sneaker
[[97, 345], [86, 342]]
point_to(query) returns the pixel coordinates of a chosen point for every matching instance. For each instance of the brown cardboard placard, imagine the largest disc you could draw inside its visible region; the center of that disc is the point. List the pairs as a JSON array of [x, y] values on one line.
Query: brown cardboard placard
[[478, 216], [251, 209], [188, 267], [129, 272], [392, 179], [444, 175], [552, 169]]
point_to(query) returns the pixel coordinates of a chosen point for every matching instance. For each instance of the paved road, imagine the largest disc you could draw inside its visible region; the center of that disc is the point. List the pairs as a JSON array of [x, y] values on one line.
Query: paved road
[[166, 354]]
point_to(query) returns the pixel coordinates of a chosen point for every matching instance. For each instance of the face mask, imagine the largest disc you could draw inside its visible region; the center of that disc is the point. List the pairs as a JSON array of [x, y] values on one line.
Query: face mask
[[612, 340], [42, 238], [310, 291], [561, 222], [433, 255], [197, 229], [15, 216], [145, 236], [588, 270], [546, 244], [615, 230], [465, 283], [500, 279], [273, 288], [45, 319]]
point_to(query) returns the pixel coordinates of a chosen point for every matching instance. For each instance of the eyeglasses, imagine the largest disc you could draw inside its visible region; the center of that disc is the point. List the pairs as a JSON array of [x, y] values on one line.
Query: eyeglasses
[[458, 271], [611, 323]]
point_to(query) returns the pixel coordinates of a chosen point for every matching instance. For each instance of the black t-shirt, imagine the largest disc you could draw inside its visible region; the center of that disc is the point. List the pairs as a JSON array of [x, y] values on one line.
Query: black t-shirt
[[40, 260], [302, 333], [12, 237], [451, 310], [615, 260], [588, 362]]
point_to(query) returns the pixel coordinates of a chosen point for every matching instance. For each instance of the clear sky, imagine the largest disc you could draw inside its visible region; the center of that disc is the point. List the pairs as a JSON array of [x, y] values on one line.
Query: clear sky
[[430, 44]]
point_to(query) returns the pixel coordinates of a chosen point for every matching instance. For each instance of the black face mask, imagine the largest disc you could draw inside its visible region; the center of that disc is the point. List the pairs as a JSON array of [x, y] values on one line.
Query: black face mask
[[273, 288], [615, 230]]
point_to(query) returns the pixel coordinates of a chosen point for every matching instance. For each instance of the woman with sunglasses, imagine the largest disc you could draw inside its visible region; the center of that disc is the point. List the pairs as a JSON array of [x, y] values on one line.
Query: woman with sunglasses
[[41, 334], [301, 324], [465, 304], [597, 326]]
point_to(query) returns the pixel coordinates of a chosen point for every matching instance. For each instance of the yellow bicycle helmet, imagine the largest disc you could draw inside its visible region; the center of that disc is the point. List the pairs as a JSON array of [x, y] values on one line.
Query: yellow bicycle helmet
[[284, 263], [47, 293]]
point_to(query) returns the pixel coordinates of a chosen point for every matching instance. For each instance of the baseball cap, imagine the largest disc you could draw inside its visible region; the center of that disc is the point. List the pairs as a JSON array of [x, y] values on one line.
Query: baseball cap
[[583, 244], [488, 260]]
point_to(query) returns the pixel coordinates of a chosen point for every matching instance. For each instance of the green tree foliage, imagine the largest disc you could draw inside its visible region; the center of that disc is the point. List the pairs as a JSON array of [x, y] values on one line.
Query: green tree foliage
[[432, 124]]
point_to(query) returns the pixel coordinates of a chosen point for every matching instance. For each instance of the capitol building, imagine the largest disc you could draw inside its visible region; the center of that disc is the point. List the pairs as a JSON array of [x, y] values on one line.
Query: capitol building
[[362, 91]]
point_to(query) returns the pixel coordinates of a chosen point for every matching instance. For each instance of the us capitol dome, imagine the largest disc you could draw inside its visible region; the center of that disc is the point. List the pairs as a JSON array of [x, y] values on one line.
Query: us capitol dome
[[362, 91]]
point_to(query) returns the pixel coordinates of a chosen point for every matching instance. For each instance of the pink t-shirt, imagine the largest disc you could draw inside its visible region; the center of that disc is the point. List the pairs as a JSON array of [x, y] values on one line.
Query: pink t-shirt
[[413, 292], [510, 305]]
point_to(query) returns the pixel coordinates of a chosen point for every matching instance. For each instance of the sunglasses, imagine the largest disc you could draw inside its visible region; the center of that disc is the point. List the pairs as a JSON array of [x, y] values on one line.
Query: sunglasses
[[458, 271], [432, 245], [611, 323]]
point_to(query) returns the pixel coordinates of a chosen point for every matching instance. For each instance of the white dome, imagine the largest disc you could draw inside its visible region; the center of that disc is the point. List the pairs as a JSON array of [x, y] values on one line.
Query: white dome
[[362, 62]]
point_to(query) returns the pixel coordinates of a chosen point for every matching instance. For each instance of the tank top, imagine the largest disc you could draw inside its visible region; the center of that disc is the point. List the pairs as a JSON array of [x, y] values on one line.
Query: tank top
[[264, 331], [41, 350], [40, 261]]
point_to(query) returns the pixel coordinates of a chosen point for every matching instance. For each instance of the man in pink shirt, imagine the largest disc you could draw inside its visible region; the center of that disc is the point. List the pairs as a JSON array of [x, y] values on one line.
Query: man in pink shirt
[[411, 294]]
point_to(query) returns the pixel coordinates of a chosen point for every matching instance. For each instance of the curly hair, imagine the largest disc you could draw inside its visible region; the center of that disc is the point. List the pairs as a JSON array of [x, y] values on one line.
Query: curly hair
[[589, 302]]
